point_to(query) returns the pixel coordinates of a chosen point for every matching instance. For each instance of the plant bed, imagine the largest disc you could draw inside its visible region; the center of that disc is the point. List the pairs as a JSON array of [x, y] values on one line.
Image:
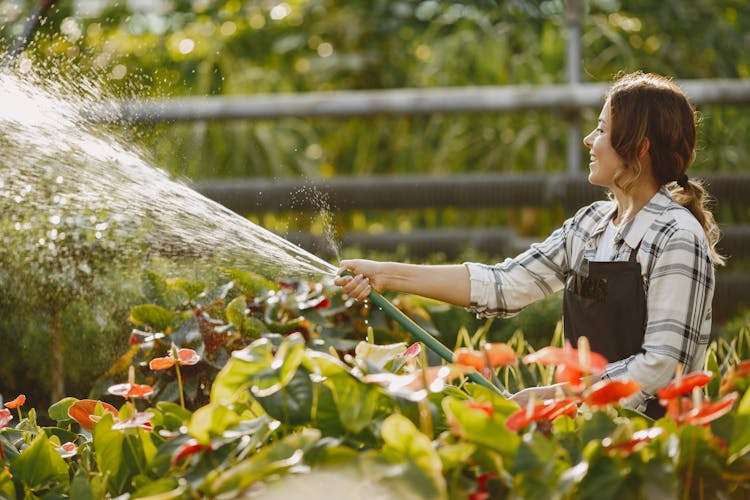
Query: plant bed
[[261, 389]]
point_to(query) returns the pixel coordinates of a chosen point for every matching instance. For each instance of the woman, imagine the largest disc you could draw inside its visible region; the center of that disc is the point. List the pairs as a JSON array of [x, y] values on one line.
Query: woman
[[637, 269]]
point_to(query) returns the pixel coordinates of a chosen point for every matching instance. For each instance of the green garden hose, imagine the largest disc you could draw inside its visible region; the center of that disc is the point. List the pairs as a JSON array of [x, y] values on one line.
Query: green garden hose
[[431, 342]]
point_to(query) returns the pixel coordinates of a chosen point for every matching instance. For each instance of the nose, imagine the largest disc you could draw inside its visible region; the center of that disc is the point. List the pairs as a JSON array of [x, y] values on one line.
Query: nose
[[588, 140]]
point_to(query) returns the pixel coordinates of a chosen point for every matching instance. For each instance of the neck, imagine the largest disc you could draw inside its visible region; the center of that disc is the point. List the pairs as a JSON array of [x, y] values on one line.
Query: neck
[[630, 203]]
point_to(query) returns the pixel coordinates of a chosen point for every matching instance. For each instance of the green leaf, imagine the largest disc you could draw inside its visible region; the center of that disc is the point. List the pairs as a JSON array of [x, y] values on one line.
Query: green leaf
[[596, 427], [273, 459], [167, 488], [158, 290], [292, 402], [191, 289], [211, 421], [404, 443], [236, 310], [151, 315], [250, 283], [59, 410], [712, 364], [80, 489], [603, 479], [236, 376], [7, 488], [39, 465], [356, 402], [116, 455], [477, 427]]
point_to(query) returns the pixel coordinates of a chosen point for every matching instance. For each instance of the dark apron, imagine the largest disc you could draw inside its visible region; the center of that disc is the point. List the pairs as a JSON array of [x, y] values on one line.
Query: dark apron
[[609, 308]]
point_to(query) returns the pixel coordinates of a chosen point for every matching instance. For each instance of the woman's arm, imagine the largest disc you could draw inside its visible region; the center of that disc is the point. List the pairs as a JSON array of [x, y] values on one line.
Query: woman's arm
[[447, 283]]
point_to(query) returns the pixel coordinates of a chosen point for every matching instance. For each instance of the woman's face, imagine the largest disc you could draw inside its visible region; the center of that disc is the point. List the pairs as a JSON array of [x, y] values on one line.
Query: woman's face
[[604, 160]]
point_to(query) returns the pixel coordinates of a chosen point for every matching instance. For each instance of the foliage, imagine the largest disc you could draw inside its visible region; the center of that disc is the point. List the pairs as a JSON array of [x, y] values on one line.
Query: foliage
[[295, 406], [230, 48]]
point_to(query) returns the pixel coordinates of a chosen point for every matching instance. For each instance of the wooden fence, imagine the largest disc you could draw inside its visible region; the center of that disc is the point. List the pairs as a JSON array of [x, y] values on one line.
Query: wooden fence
[[466, 192]]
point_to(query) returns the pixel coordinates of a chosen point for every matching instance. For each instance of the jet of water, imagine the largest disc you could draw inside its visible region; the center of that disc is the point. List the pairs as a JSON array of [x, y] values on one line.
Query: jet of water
[[61, 172]]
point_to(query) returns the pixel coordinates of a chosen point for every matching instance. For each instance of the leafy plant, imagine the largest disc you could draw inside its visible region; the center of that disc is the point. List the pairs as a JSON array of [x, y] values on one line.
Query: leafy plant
[[286, 403]]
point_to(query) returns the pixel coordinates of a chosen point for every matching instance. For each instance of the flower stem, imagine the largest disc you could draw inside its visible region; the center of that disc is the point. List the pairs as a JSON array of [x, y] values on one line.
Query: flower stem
[[179, 385]]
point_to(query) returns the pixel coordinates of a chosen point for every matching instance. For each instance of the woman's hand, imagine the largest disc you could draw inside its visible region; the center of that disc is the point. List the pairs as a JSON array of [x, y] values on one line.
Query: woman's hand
[[366, 277]]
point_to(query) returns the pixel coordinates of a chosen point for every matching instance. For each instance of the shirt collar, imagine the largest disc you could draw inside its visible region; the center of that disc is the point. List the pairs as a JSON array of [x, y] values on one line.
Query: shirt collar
[[636, 228]]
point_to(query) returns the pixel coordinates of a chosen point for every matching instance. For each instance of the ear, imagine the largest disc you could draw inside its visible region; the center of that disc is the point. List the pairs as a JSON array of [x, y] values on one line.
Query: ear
[[644, 148]]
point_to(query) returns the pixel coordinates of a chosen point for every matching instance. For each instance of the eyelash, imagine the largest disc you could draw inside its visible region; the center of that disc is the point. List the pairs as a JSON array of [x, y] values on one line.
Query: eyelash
[[599, 129]]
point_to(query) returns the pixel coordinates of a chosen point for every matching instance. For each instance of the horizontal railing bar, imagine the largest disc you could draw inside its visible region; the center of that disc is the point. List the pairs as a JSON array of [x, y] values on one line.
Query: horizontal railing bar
[[422, 191], [348, 103]]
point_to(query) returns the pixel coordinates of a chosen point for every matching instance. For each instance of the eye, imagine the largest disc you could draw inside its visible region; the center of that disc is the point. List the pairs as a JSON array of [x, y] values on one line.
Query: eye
[[599, 129]]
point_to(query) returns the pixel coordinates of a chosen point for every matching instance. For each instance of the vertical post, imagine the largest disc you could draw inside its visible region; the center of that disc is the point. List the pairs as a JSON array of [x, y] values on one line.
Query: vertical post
[[32, 23], [573, 56]]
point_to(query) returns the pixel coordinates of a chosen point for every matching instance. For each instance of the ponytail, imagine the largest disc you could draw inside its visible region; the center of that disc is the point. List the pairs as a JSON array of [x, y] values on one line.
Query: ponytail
[[692, 195]]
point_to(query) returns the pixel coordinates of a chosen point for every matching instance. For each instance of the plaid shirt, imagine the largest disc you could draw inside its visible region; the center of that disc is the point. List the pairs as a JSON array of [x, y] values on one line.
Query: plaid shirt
[[677, 272]]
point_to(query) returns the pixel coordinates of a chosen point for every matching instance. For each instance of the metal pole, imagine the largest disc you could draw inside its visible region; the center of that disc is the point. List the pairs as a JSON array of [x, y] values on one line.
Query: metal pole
[[573, 54], [32, 24]]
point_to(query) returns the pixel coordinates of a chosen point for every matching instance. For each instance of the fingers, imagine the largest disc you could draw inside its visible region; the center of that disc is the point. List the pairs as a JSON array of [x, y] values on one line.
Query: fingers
[[356, 287]]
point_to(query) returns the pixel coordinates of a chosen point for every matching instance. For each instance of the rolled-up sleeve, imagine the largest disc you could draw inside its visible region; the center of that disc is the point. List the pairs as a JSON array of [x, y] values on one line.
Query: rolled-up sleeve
[[680, 291], [506, 288]]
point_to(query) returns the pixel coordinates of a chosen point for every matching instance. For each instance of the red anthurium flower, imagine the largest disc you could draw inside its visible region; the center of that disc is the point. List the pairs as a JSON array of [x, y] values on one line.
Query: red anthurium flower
[[184, 357], [131, 390], [708, 412], [16, 403], [606, 392], [498, 354], [67, 450], [565, 406], [638, 439], [190, 447], [83, 410], [684, 385], [686, 411], [580, 360], [140, 419], [549, 409], [485, 407], [482, 492], [5, 418], [412, 352], [569, 375]]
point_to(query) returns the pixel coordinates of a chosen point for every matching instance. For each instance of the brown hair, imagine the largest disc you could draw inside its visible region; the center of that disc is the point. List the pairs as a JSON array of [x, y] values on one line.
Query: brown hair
[[649, 106]]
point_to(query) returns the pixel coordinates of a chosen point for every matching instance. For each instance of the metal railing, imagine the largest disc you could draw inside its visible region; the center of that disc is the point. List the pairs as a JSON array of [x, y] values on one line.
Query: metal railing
[[416, 192]]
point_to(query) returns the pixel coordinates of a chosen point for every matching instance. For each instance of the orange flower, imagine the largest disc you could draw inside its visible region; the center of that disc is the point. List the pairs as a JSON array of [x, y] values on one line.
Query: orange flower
[[686, 412], [572, 364], [549, 409], [190, 447], [184, 357], [606, 392], [131, 390], [485, 407], [492, 354], [84, 411], [16, 403], [638, 439], [583, 361], [139, 420], [684, 385]]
